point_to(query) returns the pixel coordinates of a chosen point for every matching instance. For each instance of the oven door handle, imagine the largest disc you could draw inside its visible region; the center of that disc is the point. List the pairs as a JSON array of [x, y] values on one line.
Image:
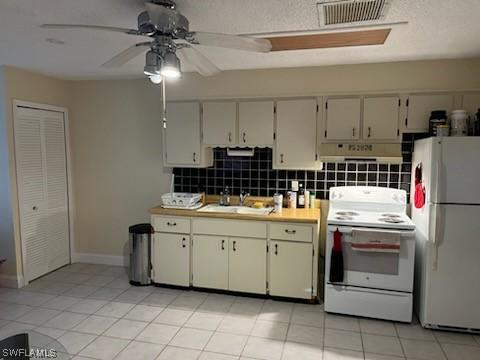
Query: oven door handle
[[349, 231]]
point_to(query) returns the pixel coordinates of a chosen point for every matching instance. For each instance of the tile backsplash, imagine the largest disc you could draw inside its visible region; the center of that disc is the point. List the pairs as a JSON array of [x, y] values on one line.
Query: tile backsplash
[[256, 176]]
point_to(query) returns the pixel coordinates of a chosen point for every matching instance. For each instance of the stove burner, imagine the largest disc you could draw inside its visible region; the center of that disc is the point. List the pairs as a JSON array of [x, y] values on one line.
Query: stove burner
[[346, 213], [391, 215], [343, 217], [391, 220]]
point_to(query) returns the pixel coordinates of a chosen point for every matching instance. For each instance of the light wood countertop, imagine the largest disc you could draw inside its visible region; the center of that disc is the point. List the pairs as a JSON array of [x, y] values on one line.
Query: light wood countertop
[[311, 216]]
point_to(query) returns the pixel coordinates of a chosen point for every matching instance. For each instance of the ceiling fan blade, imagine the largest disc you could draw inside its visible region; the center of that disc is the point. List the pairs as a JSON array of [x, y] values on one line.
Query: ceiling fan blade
[[200, 62], [238, 42], [126, 55], [90, 27]]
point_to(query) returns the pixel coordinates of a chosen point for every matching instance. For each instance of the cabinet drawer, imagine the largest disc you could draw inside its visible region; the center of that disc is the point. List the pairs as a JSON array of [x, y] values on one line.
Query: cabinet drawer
[[241, 228], [171, 224], [291, 232]]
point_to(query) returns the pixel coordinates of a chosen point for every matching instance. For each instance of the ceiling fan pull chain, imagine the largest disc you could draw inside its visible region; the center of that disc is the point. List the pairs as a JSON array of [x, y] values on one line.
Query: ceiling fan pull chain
[[164, 105]]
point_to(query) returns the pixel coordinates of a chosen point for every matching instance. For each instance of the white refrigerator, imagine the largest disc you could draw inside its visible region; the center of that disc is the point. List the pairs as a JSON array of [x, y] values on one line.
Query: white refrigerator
[[447, 262]]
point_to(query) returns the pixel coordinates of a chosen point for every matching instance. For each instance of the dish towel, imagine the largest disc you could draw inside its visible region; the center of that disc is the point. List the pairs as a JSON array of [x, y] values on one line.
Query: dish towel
[[336, 259], [376, 241]]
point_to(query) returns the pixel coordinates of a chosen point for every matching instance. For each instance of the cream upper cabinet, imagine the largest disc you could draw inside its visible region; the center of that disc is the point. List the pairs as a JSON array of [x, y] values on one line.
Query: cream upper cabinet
[[219, 123], [291, 269], [210, 261], [255, 123], [248, 265], [342, 118], [419, 108], [471, 103], [380, 118], [295, 134], [181, 137], [171, 253]]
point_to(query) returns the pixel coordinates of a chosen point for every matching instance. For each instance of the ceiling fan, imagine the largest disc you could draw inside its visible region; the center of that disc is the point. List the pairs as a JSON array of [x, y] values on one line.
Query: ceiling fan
[[169, 32]]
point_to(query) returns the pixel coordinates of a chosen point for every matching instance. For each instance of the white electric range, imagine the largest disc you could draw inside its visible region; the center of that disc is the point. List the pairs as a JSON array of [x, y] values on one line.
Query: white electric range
[[378, 264]]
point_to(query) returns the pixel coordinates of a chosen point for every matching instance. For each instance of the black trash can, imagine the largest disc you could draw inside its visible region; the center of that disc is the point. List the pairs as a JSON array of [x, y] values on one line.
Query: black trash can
[[140, 254]]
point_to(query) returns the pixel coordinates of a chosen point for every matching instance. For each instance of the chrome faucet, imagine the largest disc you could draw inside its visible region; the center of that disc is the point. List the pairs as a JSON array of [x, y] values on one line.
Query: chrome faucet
[[225, 197], [243, 196]]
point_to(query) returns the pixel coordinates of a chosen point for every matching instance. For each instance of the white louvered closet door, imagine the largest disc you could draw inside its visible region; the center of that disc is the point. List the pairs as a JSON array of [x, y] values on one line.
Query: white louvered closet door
[[43, 193]]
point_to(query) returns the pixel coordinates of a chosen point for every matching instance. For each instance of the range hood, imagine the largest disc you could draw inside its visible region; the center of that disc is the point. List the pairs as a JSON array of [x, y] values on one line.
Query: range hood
[[340, 152]]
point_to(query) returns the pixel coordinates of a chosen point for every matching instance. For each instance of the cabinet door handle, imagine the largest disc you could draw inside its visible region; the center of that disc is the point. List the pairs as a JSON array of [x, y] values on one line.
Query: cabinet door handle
[[229, 137], [34, 208], [234, 247], [276, 249], [244, 137], [281, 158], [290, 231], [223, 244], [183, 242], [353, 131], [194, 157], [171, 224], [369, 131]]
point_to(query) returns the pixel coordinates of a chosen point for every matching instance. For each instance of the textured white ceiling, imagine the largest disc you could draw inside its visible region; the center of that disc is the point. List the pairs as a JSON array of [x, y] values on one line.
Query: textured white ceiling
[[436, 29]]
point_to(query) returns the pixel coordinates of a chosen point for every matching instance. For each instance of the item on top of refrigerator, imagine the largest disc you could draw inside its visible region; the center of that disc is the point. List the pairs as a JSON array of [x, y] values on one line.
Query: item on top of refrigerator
[[437, 117], [312, 200], [336, 263], [443, 130], [277, 202], [459, 123], [301, 197]]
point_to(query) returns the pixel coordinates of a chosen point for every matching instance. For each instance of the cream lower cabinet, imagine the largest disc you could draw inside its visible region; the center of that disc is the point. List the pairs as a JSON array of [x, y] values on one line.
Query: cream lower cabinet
[[257, 257], [247, 271], [210, 262], [172, 259], [237, 264], [291, 269]]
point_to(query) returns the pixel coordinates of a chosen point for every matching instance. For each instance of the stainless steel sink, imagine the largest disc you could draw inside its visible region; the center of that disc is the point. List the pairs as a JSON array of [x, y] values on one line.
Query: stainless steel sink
[[235, 210]]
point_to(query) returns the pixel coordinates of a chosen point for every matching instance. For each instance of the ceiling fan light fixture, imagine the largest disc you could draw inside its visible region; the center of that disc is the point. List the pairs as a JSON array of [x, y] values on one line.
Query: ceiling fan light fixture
[[152, 64], [156, 79], [170, 66]]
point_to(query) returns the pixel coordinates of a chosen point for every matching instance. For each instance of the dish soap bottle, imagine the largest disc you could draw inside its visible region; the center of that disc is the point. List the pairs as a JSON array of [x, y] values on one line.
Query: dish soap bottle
[[301, 197]]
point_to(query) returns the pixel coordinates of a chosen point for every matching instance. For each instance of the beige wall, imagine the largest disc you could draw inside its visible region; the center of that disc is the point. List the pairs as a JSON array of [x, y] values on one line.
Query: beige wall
[[117, 161], [27, 86], [401, 76]]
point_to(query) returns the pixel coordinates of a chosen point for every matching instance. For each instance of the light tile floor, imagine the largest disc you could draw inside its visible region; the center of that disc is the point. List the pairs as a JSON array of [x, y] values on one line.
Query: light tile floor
[[94, 313]]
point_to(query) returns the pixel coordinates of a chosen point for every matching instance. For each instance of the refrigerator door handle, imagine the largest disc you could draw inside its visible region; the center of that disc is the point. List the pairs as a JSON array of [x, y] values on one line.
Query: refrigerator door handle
[[435, 213], [438, 169]]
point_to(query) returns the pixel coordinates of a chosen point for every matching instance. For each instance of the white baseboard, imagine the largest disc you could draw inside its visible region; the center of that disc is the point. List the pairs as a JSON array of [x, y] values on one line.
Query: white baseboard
[[100, 259], [11, 281]]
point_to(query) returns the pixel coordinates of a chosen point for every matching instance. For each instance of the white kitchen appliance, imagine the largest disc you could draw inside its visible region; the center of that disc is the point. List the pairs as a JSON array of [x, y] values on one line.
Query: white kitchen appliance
[[447, 270], [378, 279]]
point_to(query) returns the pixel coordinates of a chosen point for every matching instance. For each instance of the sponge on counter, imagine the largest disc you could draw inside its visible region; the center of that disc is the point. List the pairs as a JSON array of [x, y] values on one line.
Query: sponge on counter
[[258, 205]]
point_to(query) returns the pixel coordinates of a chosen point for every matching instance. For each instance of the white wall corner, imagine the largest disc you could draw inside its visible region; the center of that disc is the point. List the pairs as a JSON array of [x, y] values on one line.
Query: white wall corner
[[100, 259], [11, 281]]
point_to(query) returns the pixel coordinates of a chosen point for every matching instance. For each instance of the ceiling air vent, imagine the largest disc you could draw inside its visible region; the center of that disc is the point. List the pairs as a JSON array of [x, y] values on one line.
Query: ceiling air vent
[[341, 12]]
